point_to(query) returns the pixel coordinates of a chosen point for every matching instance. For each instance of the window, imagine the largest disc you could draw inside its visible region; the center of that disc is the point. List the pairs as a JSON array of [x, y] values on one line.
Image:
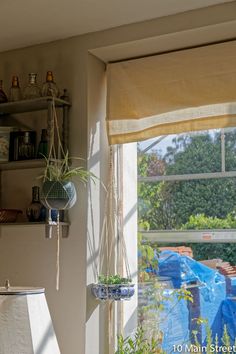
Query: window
[[188, 182], [187, 223]]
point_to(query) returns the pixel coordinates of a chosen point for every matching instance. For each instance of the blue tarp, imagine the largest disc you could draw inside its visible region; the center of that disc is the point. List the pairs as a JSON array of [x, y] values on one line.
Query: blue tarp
[[174, 322], [185, 270], [229, 317], [208, 294], [208, 308]]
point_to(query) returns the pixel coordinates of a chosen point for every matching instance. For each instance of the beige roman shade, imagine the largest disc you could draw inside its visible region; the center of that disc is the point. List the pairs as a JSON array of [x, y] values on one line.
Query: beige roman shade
[[193, 89]]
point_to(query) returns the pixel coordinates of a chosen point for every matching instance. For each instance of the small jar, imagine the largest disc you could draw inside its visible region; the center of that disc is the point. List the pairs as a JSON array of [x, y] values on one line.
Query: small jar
[[26, 149]]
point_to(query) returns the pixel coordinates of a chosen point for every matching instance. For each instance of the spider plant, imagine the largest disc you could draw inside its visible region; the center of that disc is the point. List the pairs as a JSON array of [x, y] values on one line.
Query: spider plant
[[61, 170]]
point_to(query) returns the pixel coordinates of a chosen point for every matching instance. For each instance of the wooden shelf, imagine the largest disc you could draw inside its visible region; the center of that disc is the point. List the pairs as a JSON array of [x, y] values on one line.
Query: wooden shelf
[[36, 104], [27, 223], [21, 165], [33, 105]]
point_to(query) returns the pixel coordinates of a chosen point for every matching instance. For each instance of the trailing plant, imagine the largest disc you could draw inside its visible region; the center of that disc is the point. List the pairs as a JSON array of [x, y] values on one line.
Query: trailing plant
[[61, 170], [113, 280]]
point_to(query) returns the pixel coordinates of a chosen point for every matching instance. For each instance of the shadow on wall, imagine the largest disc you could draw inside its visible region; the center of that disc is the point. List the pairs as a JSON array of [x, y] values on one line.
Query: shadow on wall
[[92, 302]]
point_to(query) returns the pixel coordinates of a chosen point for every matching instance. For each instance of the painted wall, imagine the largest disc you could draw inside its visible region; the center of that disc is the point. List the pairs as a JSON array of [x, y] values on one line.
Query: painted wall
[[26, 257]]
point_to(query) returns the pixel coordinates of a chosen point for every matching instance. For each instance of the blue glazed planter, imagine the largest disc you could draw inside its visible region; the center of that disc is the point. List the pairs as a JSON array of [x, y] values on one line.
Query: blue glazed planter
[[115, 292], [58, 195]]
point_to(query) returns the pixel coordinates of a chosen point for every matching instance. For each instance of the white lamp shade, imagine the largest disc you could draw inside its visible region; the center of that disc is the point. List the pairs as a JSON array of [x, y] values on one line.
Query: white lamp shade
[[25, 323]]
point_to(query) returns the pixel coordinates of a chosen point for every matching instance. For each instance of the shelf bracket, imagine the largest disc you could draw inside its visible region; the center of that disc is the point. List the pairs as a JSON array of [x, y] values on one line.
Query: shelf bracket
[[53, 225]]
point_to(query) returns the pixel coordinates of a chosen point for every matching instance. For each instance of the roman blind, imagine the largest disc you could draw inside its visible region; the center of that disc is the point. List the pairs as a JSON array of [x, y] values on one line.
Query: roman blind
[[188, 90]]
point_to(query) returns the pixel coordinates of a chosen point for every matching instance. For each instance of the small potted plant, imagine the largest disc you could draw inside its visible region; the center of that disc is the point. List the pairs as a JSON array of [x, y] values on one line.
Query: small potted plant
[[58, 190], [113, 287]]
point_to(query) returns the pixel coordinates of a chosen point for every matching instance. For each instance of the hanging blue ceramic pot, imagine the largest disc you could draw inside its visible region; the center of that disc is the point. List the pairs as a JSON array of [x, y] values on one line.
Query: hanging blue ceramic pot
[[60, 195]]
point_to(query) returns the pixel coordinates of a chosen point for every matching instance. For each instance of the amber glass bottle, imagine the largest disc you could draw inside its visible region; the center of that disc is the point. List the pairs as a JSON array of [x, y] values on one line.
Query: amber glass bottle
[[49, 87], [15, 91]]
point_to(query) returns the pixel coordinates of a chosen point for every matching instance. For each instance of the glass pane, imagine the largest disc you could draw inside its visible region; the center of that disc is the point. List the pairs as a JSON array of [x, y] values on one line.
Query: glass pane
[[230, 149], [186, 296], [198, 152], [195, 204], [206, 270]]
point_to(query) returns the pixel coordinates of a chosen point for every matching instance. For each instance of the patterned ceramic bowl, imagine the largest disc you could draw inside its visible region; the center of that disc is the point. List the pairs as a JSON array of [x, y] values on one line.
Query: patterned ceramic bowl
[[113, 292]]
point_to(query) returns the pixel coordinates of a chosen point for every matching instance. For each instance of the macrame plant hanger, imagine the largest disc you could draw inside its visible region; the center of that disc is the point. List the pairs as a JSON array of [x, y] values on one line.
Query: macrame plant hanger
[[54, 157], [112, 239]]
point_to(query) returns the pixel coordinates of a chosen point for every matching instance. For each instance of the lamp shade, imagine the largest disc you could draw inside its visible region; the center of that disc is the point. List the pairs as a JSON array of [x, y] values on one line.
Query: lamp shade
[[25, 322]]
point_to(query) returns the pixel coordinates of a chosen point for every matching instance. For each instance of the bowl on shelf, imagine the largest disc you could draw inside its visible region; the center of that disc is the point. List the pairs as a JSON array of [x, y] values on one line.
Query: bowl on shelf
[[9, 215]]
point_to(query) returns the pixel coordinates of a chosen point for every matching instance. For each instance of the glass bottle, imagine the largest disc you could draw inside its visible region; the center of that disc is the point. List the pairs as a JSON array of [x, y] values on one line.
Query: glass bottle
[[34, 211], [32, 90], [49, 87], [15, 91], [43, 145], [3, 96], [26, 149]]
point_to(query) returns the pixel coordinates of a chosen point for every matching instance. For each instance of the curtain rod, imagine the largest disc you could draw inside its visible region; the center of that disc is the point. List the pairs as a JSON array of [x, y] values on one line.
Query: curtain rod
[[175, 50]]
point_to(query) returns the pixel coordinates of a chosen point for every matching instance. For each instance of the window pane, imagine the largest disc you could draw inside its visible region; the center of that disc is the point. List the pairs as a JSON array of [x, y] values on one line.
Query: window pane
[[207, 270], [198, 152], [230, 149], [195, 204]]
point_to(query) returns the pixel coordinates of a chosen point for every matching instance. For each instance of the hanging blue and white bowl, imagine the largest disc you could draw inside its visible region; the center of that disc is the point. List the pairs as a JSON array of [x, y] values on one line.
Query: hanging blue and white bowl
[[115, 292]]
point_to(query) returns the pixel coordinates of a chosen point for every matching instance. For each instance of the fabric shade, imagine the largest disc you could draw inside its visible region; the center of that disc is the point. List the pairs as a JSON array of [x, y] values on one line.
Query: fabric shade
[[25, 322], [187, 90]]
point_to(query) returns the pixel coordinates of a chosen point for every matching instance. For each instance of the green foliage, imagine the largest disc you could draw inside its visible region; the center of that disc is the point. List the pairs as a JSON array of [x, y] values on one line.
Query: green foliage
[[61, 170], [225, 251], [146, 260], [139, 344], [202, 222], [113, 279], [184, 294], [212, 344]]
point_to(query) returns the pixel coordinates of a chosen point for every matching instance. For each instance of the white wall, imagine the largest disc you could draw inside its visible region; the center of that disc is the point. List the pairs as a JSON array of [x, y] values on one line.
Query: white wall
[[26, 257], [98, 163]]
